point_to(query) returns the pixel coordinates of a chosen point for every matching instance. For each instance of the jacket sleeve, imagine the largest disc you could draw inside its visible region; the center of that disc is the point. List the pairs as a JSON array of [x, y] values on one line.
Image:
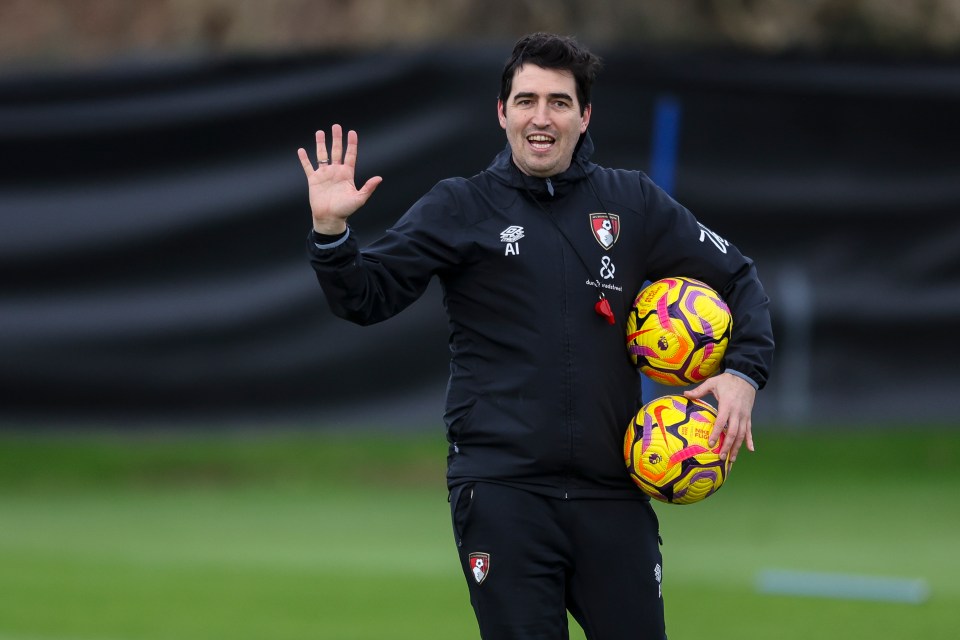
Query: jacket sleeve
[[678, 245], [370, 285]]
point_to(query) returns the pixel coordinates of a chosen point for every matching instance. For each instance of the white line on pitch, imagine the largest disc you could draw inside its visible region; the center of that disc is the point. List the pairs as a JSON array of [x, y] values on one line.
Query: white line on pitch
[[842, 586]]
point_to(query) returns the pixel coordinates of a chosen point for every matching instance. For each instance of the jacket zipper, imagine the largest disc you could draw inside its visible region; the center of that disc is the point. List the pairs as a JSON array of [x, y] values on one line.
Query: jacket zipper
[[568, 382]]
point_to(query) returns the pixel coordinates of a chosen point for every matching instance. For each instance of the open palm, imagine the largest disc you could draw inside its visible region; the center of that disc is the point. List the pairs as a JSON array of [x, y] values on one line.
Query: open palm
[[334, 196]]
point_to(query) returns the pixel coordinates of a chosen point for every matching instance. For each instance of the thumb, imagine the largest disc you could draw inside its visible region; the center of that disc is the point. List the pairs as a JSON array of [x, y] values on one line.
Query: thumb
[[697, 392], [368, 188]]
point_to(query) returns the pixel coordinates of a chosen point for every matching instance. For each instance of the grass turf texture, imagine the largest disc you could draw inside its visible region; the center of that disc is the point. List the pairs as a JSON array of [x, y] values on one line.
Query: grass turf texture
[[332, 537]]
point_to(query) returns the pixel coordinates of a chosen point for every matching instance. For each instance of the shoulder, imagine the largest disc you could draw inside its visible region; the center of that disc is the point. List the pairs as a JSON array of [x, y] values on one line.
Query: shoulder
[[626, 189], [462, 201], [616, 182], [457, 188], [636, 187], [478, 195]]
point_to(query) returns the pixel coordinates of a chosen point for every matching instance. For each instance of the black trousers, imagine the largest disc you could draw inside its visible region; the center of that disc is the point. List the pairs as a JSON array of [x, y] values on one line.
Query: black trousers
[[528, 559]]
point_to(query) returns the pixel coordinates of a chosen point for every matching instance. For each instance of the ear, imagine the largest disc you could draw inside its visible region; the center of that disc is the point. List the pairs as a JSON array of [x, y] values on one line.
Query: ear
[[585, 119], [501, 114]]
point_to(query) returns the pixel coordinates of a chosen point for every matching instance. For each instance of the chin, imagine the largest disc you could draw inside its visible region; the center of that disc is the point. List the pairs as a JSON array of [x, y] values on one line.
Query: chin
[[541, 170]]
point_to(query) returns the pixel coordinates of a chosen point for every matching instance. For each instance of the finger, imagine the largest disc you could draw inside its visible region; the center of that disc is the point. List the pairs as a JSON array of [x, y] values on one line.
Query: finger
[[305, 162], [733, 432], [735, 448], [750, 446], [350, 159], [745, 435], [336, 144], [697, 392], [719, 426], [728, 442], [736, 435], [715, 434], [322, 148], [368, 188]]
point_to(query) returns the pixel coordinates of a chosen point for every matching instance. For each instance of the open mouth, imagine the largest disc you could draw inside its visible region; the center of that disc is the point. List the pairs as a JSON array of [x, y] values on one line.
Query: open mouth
[[541, 141]]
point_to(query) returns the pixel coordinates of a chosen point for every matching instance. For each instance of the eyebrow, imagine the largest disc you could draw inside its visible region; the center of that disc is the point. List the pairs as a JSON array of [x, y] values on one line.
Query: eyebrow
[[552, 96]]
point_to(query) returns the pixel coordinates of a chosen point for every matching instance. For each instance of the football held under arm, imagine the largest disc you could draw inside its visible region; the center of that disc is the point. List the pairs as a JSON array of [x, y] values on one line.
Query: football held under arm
[[679, 245]]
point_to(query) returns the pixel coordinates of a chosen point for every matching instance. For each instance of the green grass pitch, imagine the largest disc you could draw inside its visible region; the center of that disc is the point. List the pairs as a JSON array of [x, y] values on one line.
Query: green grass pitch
[[332, 537]]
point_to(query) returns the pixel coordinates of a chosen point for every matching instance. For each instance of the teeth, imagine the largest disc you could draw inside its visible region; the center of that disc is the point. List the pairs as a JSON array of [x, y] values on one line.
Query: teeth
[[540, 139]]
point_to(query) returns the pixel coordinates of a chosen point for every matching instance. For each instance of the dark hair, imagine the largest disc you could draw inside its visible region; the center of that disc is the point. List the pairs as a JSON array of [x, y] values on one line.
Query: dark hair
[[551, 51]]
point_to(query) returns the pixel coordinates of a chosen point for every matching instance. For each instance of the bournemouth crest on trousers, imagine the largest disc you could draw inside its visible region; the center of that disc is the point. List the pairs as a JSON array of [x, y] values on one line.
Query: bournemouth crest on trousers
[[479, 566]]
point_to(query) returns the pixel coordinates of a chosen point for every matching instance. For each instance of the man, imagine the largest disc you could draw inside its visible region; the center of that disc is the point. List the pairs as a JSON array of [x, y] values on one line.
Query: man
[[545, 516]]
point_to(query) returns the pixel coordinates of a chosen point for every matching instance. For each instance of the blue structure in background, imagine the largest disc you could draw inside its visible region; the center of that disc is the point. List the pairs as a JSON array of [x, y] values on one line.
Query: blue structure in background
[[665, 141], [663, 171]]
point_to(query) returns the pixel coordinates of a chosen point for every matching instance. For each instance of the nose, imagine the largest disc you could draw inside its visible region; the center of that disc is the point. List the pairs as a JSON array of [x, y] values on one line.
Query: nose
[[541, 117]]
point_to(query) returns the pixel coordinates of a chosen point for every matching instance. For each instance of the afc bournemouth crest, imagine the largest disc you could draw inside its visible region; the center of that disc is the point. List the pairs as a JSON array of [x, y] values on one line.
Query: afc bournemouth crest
[[479, 566], [606, 228]]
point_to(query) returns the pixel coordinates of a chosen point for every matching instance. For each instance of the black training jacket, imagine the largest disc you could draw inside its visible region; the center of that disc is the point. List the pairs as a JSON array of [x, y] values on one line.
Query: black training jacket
[[541, 388]]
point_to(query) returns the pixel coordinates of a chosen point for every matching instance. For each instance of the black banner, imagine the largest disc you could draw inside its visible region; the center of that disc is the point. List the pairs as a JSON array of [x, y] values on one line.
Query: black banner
[[153, 219]]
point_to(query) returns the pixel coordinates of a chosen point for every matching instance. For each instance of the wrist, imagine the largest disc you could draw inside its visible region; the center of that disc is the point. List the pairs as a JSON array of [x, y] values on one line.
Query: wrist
[[743, 377], [330, 227]]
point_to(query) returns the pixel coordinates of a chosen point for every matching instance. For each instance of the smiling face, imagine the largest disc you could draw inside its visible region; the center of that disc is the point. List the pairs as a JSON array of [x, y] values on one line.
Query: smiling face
[[542, 119]]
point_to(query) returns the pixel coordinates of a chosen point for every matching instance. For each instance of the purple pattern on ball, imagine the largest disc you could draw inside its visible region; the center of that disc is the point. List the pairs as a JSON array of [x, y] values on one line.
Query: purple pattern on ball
[[647, 430], [639, 350], [700, 416], [690, 305], [702, 474]]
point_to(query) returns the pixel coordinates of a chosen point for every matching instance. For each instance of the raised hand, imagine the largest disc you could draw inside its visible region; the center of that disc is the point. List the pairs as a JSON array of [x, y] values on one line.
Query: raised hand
[[334, 196]]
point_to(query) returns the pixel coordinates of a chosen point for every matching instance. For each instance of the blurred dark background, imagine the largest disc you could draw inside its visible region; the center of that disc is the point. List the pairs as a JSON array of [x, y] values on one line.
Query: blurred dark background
[[153, 213]]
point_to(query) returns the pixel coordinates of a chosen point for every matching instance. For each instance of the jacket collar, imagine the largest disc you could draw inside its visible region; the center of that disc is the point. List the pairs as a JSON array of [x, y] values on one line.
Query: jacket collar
[[504, 170]]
